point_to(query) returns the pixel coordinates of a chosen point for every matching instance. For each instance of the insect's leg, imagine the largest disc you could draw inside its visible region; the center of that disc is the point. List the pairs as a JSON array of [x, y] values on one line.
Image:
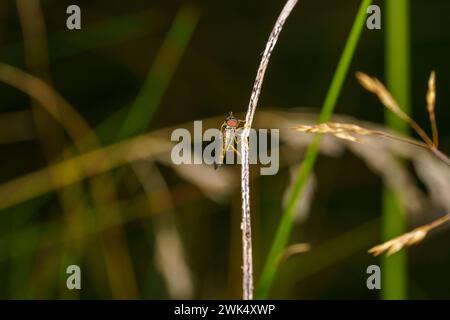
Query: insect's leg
[[235, 140], [225, 149], [227, 145], [235, 150], [238, 136], [244, 123], [238, 133], [222, 156]]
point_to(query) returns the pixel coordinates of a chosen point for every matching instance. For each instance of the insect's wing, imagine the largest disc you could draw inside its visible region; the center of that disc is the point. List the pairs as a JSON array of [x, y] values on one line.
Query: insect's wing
[[222, 139]]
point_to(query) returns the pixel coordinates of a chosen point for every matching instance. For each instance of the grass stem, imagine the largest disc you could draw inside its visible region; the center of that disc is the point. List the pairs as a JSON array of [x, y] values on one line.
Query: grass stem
[[247, 268], [397, 79]]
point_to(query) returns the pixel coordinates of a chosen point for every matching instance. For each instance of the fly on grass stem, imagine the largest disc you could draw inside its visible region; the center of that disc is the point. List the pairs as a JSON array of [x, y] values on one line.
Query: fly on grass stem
[[229, 134]]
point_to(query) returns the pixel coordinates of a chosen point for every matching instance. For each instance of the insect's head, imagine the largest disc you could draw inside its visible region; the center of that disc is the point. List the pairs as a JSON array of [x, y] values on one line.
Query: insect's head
[[232, 121]]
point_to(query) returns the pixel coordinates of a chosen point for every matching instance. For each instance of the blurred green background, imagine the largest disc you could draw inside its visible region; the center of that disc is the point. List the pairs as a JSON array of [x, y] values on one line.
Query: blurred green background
[[142, 228]]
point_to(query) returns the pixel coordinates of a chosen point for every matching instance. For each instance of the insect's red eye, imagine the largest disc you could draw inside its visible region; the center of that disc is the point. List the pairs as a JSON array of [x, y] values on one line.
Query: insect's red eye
[[232, 122]]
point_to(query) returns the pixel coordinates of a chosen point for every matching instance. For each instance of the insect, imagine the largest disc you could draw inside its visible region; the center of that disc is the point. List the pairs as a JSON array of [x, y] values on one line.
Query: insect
[[229, 132]]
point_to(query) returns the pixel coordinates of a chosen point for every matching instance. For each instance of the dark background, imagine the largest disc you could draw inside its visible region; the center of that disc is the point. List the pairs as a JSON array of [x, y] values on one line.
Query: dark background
[[100, 74]]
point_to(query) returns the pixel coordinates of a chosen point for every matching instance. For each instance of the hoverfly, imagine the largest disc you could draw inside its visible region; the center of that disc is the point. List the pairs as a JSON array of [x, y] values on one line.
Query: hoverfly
[[229, 133]]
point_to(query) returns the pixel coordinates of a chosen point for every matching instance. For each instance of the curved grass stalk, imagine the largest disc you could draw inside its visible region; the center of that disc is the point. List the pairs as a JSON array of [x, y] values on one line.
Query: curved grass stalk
[[247, 268]]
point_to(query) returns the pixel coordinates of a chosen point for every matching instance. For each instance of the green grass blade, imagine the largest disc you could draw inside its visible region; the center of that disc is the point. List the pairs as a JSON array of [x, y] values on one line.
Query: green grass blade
[[397, 40], [285, 226]]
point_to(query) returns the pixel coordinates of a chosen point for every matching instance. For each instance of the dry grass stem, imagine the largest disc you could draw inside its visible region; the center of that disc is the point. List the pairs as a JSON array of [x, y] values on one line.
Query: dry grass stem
[[376, 87], [247, 268], [295, 249], [441, 156], [413, 237], [339, 130], [61, 111], [348, 131]]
